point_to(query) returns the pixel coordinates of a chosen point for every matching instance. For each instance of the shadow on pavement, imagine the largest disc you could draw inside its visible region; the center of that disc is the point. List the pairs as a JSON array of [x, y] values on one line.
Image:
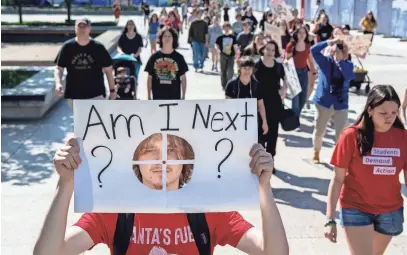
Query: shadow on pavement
[[28, 147], [301, 142], [302, 199]]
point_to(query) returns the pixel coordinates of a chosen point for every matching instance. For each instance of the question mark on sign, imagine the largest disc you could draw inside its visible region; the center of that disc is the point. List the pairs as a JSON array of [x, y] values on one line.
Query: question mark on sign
[[101, 171], [227, 156]]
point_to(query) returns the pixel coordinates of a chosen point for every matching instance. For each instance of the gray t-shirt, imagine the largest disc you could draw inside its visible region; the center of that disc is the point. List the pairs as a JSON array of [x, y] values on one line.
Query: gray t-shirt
[[214, 32], [243, 40]]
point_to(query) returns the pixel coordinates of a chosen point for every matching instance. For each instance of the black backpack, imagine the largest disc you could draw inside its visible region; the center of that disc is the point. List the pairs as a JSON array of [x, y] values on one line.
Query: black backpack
[[197, 223]]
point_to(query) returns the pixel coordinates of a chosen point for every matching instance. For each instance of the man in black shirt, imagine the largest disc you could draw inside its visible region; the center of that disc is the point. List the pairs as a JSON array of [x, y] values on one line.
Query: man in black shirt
[[199, 39], [85, 60], [228, 48], [166, 69]]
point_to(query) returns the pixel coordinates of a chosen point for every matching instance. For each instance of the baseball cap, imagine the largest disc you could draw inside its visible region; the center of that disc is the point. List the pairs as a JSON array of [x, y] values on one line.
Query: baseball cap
[[82, 20], [247, 21]]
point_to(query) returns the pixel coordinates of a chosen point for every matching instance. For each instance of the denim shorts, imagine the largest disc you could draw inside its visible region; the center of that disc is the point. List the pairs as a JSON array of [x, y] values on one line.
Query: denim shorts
[[152, 37], [390, 223]]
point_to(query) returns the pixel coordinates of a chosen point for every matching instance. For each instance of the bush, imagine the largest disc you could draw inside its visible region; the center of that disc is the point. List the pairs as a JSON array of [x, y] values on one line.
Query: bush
[[13, 78]]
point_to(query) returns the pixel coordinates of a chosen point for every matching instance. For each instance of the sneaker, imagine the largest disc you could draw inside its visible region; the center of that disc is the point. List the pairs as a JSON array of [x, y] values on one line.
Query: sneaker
[[213, 67], [216, 69], [315, 159]]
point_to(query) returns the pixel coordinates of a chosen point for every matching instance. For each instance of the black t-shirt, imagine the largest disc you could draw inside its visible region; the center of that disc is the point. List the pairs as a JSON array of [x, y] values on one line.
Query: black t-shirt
[[236, 89], [85, 65], [146, 9], [225, 44], [166, 70], [131, 46], [324, 32], [243, 40], [253, 19], [269, 79]]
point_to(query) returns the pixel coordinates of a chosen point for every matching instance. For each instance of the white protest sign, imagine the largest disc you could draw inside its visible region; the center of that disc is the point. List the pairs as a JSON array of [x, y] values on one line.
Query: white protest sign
[[358, 44], [291, 78], [281, 10], [199, 149], [275, 33]]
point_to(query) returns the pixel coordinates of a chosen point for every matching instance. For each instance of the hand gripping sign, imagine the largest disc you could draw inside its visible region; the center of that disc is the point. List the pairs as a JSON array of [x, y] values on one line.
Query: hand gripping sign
[[165, 156]]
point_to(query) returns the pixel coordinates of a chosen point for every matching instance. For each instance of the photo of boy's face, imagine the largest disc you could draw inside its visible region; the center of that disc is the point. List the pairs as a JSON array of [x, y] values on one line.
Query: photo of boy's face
[[157, 155]]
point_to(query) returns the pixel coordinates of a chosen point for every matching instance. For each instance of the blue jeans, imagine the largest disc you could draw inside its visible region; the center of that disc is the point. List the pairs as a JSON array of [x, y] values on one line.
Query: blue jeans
[[390, 223], [198, 52], [300, 99]]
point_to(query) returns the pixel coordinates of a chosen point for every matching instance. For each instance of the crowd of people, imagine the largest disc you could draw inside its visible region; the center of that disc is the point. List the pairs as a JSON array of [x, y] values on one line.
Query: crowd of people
[[370, 153]]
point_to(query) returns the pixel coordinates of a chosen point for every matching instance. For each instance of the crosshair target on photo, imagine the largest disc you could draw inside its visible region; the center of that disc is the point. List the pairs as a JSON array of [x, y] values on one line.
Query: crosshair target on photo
[[163, 158]]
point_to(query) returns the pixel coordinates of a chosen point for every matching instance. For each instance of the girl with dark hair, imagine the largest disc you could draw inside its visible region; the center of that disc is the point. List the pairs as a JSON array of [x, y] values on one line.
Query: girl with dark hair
[[323, 29], [264, 19], [368, 159], [153, 27], [167, 69], [270, 73], [368, 23], [246, 86], [131, 43], [253, 49], [299, 50], [173, 22]]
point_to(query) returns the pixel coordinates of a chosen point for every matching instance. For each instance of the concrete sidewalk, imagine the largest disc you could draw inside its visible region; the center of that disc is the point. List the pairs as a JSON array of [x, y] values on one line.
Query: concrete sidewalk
[[300, 187]]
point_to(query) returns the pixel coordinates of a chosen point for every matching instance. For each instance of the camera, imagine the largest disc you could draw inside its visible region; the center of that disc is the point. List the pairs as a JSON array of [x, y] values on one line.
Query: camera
[[336, 87], [340, 46]]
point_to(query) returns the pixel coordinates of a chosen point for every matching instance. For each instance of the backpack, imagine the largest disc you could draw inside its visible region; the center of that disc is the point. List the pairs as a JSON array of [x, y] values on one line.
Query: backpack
[[197, 223]]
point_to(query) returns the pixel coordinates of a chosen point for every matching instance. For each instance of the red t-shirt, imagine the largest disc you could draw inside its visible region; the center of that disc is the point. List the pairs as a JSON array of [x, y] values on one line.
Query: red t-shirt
[[372, 182], [300, 57], [168, 232]]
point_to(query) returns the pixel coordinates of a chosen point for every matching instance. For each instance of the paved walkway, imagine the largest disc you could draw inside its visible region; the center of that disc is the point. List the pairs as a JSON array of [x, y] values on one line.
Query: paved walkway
[[300, 187]]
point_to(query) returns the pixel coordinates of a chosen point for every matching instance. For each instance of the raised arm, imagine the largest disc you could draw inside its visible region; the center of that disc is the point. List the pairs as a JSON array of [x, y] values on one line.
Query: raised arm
[[274, 239], [316, 51], [53, 238]]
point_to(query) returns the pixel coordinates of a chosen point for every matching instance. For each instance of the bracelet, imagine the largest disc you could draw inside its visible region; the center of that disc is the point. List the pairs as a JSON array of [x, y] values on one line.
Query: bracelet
[[330, 222]]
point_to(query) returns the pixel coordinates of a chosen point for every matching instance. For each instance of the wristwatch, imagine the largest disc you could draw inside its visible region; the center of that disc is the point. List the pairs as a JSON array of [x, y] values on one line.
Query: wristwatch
[[113, 90], [330, 222]]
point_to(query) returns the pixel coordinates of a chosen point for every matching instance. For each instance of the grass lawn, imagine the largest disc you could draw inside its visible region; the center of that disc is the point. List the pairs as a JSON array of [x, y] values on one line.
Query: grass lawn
[[45, 23], [12, 78]]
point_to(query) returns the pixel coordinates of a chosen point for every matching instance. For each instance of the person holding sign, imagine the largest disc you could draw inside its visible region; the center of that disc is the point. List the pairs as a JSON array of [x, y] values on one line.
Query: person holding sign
[[166, 69], [269, 73], [299, 50], [368, 159], [164, 233], [331, 94]]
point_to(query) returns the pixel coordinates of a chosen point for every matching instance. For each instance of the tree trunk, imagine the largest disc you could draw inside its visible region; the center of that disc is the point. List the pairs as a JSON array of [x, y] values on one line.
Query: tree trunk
[[68, 6], [20, 11]]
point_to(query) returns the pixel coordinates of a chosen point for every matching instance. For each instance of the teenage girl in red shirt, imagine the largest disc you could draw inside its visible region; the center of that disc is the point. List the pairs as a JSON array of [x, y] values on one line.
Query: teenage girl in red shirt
[[299, 49], [368, 159]]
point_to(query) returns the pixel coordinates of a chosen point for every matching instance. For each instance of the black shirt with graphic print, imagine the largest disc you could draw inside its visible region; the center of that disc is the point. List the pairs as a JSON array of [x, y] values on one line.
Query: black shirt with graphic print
[[166, 71], [85, 65], [236, 89], [324, 32], [225, 44]]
